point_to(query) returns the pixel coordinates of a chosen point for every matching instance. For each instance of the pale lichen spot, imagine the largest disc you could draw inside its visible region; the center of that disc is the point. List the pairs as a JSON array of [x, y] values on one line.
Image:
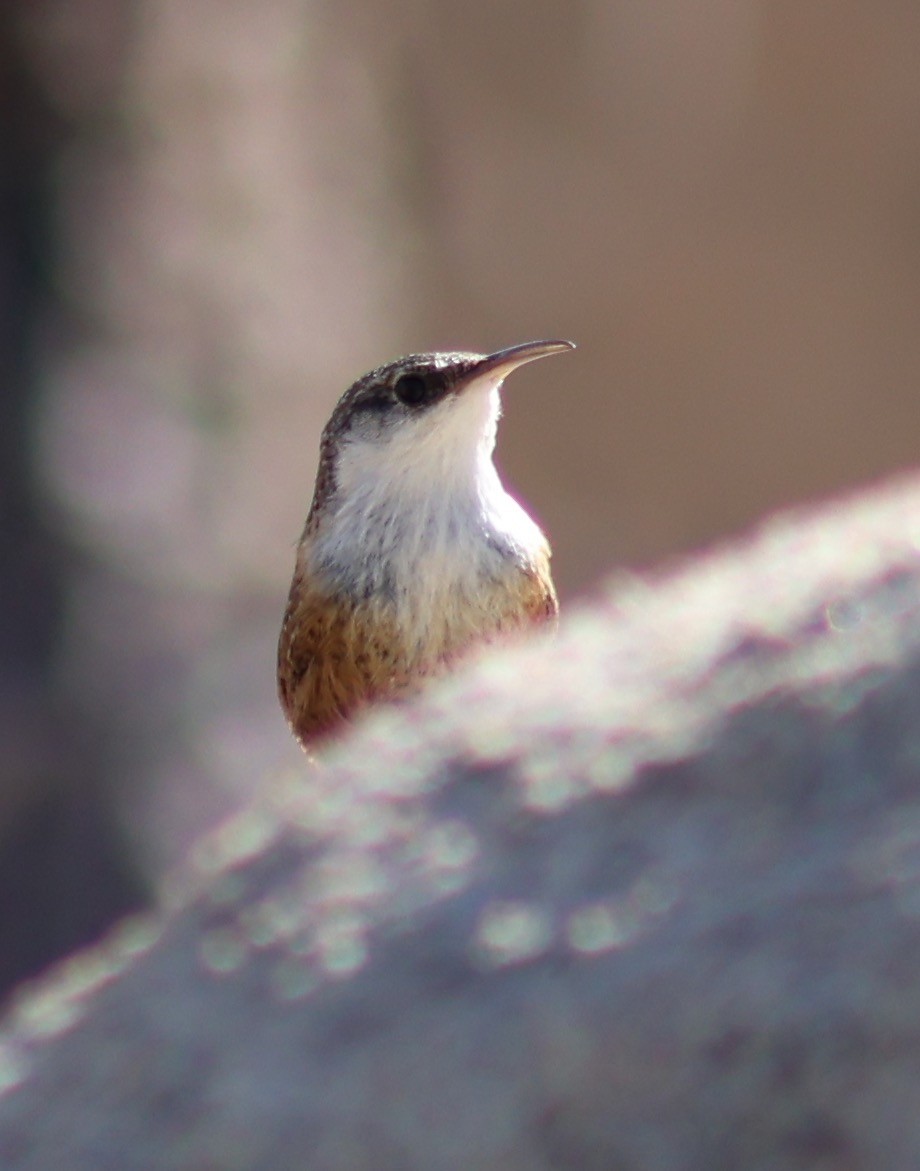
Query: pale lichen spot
[[653, 896], [548, 786], [13, 1068], [341, 947], [49, 1009], [602, 926], [446, 853], [237, 840], [594, 929], [449, 882], [611, 771], [87, 971], [451, 845], [490, 738], [370, 824], [269, 921], [291, 979], [134, 936], [222, 951], [511, 932], [348, 878], [47, 1014]]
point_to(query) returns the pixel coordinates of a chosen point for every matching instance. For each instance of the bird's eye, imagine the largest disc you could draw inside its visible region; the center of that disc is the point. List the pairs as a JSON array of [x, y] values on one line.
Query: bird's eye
[[412, 389]]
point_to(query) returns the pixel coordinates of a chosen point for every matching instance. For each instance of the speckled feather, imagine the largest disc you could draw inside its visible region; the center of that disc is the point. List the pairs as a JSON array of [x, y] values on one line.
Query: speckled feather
[[337, 656]]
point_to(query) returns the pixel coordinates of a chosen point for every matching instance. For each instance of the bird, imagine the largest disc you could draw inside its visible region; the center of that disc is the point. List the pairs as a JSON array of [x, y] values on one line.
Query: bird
[[413, 553]]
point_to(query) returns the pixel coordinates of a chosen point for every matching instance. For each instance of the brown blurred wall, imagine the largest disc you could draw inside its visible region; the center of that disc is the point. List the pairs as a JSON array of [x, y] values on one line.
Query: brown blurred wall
[[247, 204]]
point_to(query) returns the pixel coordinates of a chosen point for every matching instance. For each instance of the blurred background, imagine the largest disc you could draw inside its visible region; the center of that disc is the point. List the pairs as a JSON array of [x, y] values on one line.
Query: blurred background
[[217, 213]]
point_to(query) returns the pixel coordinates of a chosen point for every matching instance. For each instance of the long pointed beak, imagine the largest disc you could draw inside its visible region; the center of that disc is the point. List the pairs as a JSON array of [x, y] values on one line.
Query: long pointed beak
[[502, 362]]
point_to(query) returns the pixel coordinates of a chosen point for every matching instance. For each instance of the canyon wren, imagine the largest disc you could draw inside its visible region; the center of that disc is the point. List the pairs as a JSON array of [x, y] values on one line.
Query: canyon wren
[[413, 553]]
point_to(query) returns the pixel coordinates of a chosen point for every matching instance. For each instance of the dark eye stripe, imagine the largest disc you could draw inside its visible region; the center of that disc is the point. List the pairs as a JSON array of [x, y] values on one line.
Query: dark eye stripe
[[377, 402]]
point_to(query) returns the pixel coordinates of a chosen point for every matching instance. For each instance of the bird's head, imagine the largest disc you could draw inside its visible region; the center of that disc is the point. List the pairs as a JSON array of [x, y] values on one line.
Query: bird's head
[[425, 423]]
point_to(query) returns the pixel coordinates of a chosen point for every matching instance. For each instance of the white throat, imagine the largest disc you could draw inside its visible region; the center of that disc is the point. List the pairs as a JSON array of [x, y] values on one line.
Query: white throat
[[420, 512]]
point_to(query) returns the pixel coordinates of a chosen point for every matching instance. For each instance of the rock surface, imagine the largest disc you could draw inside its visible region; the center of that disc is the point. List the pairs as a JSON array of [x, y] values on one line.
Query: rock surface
[[647, 896]]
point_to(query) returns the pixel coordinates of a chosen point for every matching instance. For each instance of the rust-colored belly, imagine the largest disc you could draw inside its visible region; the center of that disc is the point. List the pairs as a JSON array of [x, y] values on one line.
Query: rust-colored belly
[[336, 656]]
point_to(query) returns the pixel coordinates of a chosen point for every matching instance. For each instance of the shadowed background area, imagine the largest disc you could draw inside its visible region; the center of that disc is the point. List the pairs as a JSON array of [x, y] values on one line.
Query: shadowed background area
[[217, 215]]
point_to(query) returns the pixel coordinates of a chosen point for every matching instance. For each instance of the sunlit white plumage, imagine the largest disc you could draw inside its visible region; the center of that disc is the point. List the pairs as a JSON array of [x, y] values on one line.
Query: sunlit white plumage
[[426, 505]]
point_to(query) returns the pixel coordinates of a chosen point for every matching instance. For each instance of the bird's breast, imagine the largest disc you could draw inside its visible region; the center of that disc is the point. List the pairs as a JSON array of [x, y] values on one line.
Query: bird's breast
[[437, 593], [414, 549]]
